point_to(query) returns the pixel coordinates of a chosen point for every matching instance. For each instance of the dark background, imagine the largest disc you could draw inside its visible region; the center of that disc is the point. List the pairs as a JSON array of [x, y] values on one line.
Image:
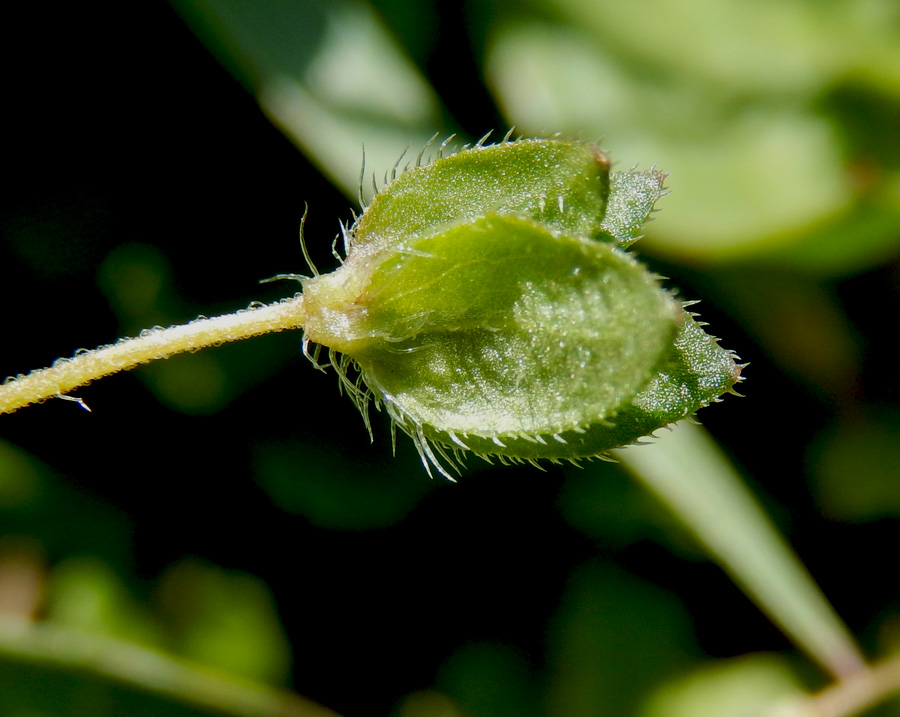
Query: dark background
[[120, 129]]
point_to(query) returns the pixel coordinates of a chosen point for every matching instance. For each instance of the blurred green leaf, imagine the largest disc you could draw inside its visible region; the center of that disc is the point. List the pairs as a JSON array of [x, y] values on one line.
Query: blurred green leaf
[[86, 594], [856, 468], [863, 236], [35, 501], [729, 95], [427, 703], [138, 284], [613, 638], [328, 73], [490, 680], [339, 490], [797, 324], [785, 47], [226, 620], [21, 482], [741, 687], [745, 171]]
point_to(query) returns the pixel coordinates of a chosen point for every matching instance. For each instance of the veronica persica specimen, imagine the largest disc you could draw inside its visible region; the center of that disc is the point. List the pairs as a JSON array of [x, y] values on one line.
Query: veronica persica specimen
[[488, 303]]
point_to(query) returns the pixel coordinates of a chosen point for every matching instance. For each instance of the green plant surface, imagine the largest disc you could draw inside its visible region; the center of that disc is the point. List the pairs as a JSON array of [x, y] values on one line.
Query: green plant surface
[[147, 187], [485, 303]]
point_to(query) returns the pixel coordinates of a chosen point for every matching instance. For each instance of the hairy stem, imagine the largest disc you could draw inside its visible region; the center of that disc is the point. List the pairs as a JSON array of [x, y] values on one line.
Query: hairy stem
[[149, 671], [68, 374]]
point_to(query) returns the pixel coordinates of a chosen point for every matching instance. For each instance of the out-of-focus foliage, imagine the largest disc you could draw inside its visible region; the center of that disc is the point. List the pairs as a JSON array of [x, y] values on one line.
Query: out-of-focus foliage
[[223, 620], [729, 96], [339, 491], [227, 508], [864, 448], [726, 689]]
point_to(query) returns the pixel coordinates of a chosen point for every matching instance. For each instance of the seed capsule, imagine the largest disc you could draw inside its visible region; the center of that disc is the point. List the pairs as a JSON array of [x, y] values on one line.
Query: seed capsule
[[487, 303]]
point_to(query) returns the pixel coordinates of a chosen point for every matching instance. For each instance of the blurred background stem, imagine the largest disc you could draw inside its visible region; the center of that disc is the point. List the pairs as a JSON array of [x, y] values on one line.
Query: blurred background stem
[[689, 473], [148, 670], [850, 696]]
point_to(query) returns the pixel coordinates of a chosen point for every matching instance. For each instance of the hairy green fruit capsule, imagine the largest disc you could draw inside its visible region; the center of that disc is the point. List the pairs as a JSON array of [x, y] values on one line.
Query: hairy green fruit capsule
[[487, 302]]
